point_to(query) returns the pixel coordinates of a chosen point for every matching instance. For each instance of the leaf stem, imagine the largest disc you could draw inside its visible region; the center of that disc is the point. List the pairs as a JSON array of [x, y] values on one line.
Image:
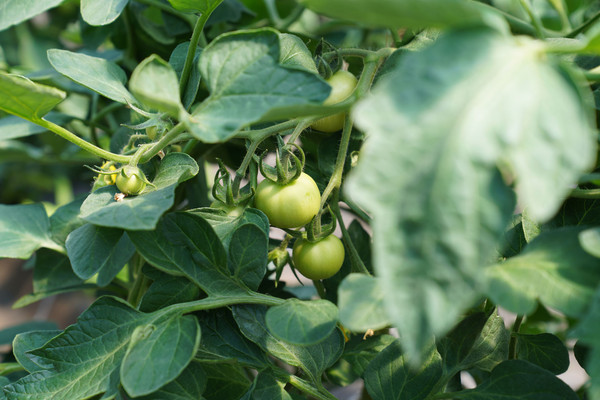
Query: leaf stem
[[156, 147], [306, 387], [71, 137], [320, 288], [512, 345], [191, 53], [585, 193], [537, 23], [212, 302], [584, 27], [264, 133], [356, 263]]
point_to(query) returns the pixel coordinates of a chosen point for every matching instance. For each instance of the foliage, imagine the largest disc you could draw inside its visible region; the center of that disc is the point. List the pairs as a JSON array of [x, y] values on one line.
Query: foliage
[[461, 176]]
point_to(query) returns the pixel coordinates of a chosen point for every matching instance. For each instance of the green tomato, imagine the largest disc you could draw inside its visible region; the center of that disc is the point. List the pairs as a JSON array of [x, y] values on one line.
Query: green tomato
[[342, 85], [131, 180], [289, 206], [318, 260]]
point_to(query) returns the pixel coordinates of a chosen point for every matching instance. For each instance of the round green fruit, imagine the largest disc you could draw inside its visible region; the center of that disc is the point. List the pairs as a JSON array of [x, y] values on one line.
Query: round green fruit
[[318, 260], [342, 85]]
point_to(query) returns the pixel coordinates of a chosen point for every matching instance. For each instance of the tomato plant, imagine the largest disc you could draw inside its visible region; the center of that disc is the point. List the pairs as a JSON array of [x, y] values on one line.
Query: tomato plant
[[462, 190], [291, 205], [318, 260]]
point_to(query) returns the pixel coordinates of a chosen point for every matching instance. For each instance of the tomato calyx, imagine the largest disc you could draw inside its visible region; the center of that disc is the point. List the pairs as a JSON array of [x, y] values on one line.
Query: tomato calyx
[[226, 190], [316, 230], [288, 166]]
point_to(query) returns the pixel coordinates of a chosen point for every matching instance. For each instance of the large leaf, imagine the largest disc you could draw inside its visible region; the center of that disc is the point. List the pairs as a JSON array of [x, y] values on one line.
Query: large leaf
[[101, 12], [26, 99], [553, 269], [248, 255], [30, 340], [185, 244], [361, 303], [545, 350], [100, 75], [189, 385], [107, 335], [439, 126], [166, 290], [65, 220], [223, 341], [7, 335], [96, 250], [13, 12], [23, 230], [302, 322], [389, 377], [517, 379], [266, 386], [313, 359], [143, 211], [155, 83], [406, 13], [246, 82]]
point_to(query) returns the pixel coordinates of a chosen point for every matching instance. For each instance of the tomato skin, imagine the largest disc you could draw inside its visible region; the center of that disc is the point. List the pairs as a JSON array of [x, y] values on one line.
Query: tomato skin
[[342, 85], [131, 180], [289, 206], [318, 260]]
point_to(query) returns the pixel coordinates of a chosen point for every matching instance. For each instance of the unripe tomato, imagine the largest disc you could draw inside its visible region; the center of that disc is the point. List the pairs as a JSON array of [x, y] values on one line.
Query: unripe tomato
[[318, 260], [289, 206], [342, 85], [131, 180]]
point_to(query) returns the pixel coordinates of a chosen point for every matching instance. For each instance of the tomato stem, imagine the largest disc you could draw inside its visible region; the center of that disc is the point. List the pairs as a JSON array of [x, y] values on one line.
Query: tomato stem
[[156, 147], [535, 19], [191, 53], [512, 345], [71, 137]]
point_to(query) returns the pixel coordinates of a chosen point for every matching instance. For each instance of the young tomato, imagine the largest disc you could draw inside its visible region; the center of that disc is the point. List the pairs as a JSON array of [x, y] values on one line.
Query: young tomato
[[289, 206], [318, 260], [342, 85], [131, 180]]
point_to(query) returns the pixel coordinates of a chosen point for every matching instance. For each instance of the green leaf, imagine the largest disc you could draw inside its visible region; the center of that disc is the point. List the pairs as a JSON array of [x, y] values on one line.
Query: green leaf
[[302, 322], [544, 350], [98, 74], [590, 241], [177, 61], [8, 334], [553, 269], [195, 6], [248, 253], [312, 359], [407, 13], [388, 377], [360, 351], [26, 99], [155, 83], [517, 379], [157, 354], [225, 382], [223, 341], [23, 230], [242, 73], [185, 244], [143, 211], [478, 341], [459, 115], [52, 275], [101, 12], [225, 225], [13, 12], [267, 387], [361, 303], [65, 220], [106, 336], [166, 290], [189, 385], [294, 53], [96, 250], [30, 340]]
